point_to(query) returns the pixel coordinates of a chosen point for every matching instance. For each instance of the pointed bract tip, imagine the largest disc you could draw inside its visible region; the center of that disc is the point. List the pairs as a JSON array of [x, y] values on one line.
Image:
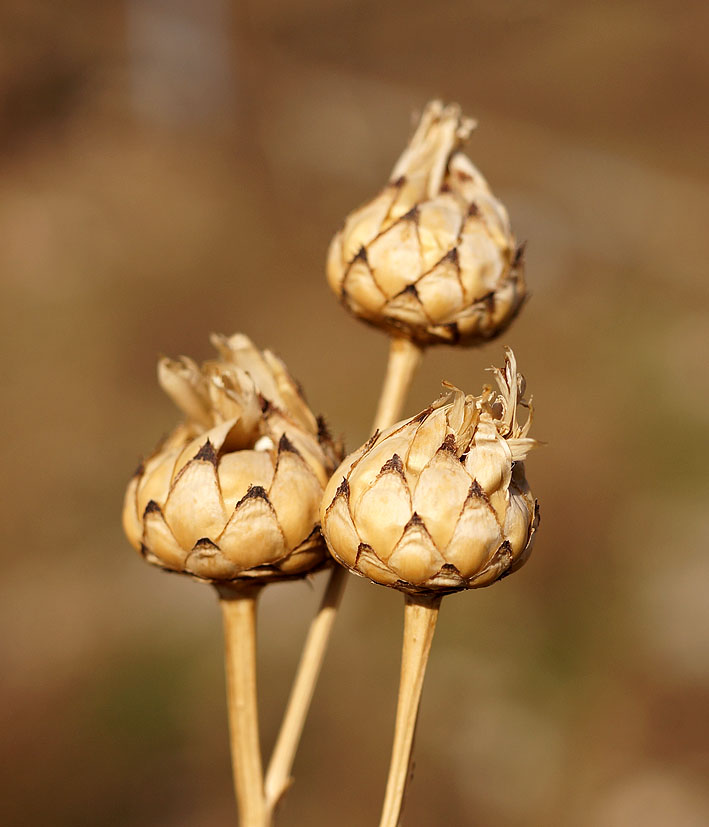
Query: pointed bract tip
[[255, 491], [393, 464], [284, 444], [449, 445], [207, 453], [205, 544], [424, 414], [476, 491], [414, 521], [323, 431], [370, 442], [451, 255]]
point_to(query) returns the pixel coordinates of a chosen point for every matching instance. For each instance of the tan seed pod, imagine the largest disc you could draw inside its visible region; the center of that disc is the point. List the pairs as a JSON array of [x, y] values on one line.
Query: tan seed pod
[[439, 502], [432, 257], [233, 492]]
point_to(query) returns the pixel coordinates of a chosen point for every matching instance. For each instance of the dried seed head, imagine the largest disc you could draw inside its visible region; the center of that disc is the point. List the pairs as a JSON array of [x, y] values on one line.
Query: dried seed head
[[432, 257], [439, 502], [233, 492]]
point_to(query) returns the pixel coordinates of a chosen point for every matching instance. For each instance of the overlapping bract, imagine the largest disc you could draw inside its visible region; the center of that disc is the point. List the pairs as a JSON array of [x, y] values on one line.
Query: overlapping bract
[[233, 492], [439, 502], [432, 257]]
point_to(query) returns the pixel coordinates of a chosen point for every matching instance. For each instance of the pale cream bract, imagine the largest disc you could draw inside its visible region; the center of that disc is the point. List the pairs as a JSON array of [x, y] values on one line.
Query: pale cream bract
[[432, 257], [439, 502], [233, 492]]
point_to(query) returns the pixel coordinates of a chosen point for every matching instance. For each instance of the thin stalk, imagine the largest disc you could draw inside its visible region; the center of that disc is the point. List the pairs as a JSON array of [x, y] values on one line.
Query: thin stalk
[[239, 615], [404, 358], [278, 776], [420, 616]]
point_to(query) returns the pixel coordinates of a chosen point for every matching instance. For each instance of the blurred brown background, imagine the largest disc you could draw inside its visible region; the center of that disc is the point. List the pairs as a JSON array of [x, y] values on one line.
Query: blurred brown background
[[173, 167]]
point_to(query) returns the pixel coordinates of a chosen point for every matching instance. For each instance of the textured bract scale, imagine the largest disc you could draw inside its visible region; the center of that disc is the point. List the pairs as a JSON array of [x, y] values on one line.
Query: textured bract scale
[[432, 257], [439, 502], [233, 492]]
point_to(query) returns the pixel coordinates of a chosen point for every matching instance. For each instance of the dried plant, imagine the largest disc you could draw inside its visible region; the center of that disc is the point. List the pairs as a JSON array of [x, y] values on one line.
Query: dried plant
[[232, 494], [430, 505], [432, 257], [435, 504], [439, 502], [231, 497]]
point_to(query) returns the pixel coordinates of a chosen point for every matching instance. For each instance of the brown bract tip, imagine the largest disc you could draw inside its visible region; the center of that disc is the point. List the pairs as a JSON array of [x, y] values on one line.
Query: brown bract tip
[[343, 489], [204, 544], [476, 491], [284, 444], [414, 521], [363, 548], [473, 209], [411, 215], [448, 444], [361, 255], [254, 492], [323, 431], [454, 331], [207, 453], [314, 534], [151, 508], [503, 557], [393, 464], [519, 254], [410, 288], [372, 439], [451, 255], [423, 415]]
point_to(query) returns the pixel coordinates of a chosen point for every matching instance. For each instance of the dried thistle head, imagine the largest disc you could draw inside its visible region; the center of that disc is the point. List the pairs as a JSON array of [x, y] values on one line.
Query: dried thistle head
[[233, 492], [439, 502], [432, 257]]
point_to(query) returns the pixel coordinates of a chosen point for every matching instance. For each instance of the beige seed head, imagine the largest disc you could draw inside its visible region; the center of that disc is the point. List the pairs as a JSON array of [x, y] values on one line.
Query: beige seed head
[[432, 257], [439, 502], [233, 492]]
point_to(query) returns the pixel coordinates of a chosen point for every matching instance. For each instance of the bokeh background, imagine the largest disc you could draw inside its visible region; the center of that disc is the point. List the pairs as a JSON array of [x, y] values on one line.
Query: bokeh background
[[173, 167]]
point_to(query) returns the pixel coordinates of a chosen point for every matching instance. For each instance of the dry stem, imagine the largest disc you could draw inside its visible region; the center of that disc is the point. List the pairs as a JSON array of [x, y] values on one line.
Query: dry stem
[[239, 614], [278, 777], [420, 615], [404, 358]]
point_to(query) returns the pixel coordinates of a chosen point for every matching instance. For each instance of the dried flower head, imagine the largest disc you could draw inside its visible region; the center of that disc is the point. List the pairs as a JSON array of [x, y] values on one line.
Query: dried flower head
[[439, 502], [432, 257], [233, 492]]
